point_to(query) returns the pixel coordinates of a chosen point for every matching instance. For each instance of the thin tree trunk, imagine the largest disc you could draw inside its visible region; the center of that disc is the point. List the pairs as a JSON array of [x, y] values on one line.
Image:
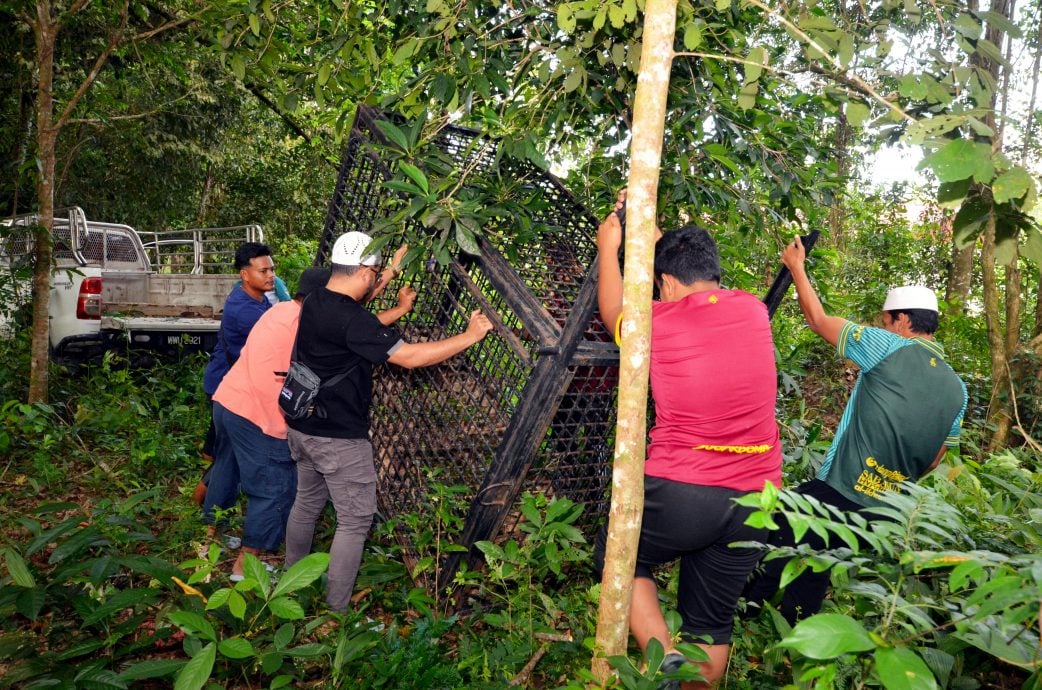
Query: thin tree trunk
[[45, 30], [998, 414], [960, 277], [1029, 133], [838, 212], [627, 499]]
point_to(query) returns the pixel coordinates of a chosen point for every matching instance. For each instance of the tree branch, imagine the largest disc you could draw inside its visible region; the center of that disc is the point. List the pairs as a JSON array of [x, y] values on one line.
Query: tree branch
[[861, 84], [94, 121], [266, 100], [727, 58], [114, 40]]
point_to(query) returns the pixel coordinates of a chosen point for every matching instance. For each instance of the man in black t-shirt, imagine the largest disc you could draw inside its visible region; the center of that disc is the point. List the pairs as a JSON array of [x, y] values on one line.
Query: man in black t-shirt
[[331, 447]]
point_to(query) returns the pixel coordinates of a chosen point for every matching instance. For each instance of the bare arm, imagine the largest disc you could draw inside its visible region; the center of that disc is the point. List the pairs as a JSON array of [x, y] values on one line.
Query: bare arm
[[936, 461], [828, 327], [413, 355], [406, 300], [609, 273], [389, 274]]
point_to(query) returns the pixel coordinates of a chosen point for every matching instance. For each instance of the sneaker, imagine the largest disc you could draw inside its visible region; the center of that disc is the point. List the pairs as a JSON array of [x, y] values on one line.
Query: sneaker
[[672, 662], [235, 577]]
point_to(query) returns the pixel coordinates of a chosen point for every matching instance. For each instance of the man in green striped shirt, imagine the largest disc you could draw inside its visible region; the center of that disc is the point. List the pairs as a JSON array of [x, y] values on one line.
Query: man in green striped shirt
[[904, 413]]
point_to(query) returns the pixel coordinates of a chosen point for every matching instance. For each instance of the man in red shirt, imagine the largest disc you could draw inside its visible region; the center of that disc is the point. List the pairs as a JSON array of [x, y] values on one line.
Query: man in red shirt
[[715, 437]]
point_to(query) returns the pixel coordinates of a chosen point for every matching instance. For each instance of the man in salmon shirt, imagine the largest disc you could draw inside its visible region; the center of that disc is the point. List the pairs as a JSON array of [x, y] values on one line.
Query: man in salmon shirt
[[715, 438]]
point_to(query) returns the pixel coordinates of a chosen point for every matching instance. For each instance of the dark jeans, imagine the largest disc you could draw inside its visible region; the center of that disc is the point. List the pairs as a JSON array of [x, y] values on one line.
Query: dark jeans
[[261, 465], [804, 595]]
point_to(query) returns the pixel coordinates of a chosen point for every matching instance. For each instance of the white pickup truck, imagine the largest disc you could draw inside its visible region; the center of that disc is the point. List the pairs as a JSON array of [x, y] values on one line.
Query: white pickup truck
[[116, 288]]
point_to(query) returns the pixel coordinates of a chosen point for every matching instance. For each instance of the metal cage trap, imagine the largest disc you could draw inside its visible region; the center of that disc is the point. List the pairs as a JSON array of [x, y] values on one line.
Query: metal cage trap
[[532, 406]]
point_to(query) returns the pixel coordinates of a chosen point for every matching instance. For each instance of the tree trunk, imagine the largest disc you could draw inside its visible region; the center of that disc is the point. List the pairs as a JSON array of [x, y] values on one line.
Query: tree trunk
[[960, 277], [45, 31], [998, 414], [627, 499], [1026, 147]]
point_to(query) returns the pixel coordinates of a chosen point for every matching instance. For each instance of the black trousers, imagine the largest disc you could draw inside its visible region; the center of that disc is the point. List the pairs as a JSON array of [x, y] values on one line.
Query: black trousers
[[804, 595]]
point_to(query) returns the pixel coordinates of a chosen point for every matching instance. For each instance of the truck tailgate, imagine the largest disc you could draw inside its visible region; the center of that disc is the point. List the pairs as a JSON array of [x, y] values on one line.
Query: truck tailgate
[[165, 334]]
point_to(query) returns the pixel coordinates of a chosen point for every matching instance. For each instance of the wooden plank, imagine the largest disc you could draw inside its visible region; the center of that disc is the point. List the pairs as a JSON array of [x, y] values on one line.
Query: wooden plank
[[129, 309]]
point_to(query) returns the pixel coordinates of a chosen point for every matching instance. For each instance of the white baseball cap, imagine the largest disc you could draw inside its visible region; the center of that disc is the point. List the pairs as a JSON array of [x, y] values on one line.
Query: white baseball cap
[[911, 297], [349, 247]]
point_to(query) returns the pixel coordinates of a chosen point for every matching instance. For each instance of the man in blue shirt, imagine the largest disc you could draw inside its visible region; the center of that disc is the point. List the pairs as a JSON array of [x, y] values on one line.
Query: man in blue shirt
[[243, 307]]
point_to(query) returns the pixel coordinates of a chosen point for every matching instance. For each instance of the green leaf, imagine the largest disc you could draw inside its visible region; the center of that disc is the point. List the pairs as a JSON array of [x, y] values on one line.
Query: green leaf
[[239, 67], [98, 679], [416, 175], [903, 669], [723, 5], [309, 650], [754, 65], [950, 195], [565, 17], [692, 36], [959, 159], [255, 24], [992, 52], [286, 608], [1001, 22], [303, 573], [151, 668], [967, 25], [968, 221], [1032, 247], [18, 569], [218, 599], [254, 569], [283, 636], [827, 636], [193, 623], [747, 96], [197, 671], [404, 52], [574, 79], [1012, 184], [395, 135], [857, 113], [236, 648], [272, 662], [323, 73], [465, 238], [236, 604]]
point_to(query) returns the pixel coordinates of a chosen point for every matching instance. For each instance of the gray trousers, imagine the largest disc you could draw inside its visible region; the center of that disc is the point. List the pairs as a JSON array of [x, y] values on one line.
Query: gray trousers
[[338, 470]]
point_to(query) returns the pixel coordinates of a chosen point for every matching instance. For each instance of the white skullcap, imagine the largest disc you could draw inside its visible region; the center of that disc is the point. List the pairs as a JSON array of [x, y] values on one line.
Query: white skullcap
[[911, 297], [349, 247]]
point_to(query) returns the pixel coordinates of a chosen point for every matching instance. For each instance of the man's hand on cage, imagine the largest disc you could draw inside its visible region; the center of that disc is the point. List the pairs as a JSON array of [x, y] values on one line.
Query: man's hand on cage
[[609, 235], [406, 298], [479, 325]]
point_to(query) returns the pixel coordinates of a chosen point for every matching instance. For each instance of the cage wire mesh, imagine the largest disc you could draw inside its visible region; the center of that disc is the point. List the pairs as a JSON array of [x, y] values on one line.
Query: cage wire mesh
[[529, 408]]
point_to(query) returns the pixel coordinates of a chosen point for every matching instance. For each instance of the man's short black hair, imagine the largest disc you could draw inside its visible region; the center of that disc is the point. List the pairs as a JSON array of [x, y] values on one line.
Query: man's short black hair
[[345, 270], [248, 251], [921, 320], [688, 254]]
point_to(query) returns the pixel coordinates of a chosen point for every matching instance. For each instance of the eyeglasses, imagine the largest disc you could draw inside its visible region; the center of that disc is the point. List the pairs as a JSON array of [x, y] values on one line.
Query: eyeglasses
[[374, 269]]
